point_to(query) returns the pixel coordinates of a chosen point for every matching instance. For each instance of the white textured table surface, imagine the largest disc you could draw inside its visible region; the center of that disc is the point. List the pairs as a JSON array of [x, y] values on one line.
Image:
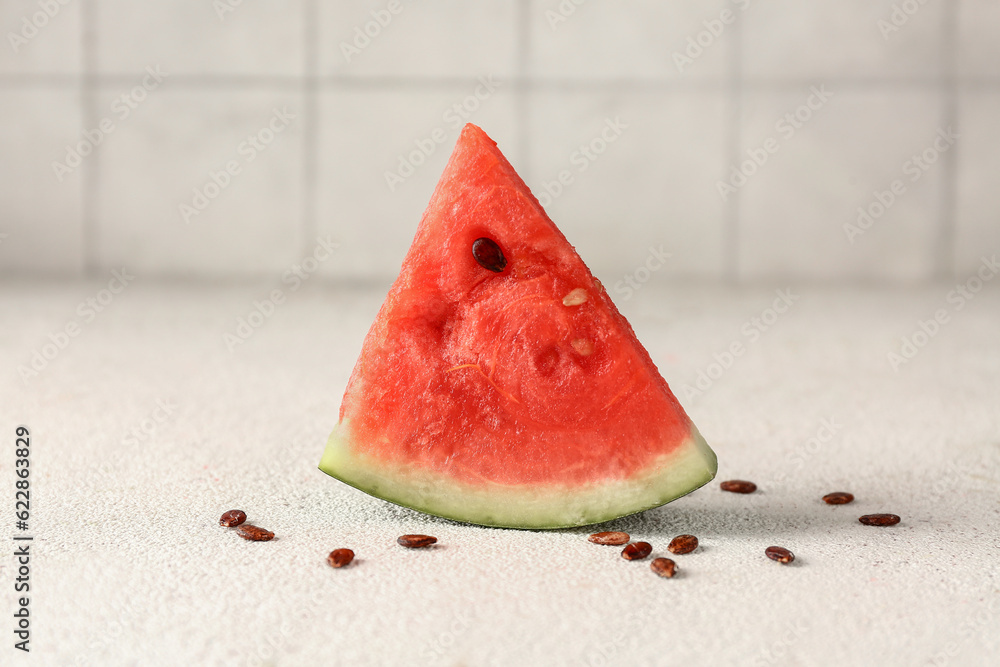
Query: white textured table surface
[[130, 566]]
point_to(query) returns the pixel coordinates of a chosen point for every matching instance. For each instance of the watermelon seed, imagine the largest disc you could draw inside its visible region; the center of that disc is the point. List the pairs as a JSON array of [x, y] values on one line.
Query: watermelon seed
[[340, 557], [415, 541], [637, 551], [233, 518], [738, 486], [575, 297], [583, 346], [488, 254], [663, 567], [251, 532], [838, 498], [613, 538], [780, 554], [879, 519], [683, 544]]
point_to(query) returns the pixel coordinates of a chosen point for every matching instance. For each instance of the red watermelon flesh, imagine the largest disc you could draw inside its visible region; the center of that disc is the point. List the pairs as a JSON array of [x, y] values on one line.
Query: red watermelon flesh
[[515, 398]]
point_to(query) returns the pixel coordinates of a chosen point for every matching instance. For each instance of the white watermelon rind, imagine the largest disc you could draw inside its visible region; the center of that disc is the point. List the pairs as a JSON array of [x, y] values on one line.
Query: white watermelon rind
[[689, 465]]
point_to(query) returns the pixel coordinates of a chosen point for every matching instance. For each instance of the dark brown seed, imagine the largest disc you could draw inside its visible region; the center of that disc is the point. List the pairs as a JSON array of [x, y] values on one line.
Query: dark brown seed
[[663, 567], [233, 518], [340, 557], [879, 519], [415, 541], [489, 255], [248, 531], [637, 551], [738, 486], [780, 554], [838, 498], [683, 544], [614, 538]]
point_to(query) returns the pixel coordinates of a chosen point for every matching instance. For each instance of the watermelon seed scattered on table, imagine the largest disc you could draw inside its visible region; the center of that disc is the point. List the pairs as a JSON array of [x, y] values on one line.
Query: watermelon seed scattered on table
[[519, 397]]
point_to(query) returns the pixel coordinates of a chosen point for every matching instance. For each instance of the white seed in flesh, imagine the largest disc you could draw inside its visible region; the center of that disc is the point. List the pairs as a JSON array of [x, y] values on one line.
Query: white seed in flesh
[[575, 297], [583, 346]]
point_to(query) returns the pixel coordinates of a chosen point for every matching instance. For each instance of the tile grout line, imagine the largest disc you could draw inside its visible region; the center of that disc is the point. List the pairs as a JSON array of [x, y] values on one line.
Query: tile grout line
[[731, 235], [280, 82], [310, 149], [90, 174], [946, 260]]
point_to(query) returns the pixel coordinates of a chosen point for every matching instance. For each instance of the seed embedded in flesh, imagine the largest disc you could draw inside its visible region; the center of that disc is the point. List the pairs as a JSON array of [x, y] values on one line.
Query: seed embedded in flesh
[[879, 519], [233, 518], [488, 254], [663, 567], [738, 486], [584, 347], [575, 297], [613, 538], [340, 557], [838, 498], [683, 544], [248, 531], [415, 541], [780, 554], [637, 551]]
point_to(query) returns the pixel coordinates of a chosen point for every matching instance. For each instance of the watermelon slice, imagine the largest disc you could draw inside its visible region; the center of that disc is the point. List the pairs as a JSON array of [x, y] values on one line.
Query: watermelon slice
[[499, 385]]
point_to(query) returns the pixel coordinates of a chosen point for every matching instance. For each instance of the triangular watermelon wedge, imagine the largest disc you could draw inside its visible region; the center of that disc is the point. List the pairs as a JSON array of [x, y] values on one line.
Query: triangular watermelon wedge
[[508, 390]]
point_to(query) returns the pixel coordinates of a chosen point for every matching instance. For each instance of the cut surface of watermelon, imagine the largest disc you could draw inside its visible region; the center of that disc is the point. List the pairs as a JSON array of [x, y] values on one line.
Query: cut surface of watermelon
[[508, 391]]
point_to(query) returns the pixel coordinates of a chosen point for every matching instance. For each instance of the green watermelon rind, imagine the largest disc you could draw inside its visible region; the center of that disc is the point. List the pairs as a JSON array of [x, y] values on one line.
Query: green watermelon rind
[[689, 466]]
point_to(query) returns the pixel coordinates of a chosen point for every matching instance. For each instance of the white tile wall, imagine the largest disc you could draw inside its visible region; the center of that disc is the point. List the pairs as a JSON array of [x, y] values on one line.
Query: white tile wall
[[977, 214], [41, 223], [559, 81], [36, 41], [418, 38], [629, 39], [241, 150], [799, 209], [854, 39], [264, 37], [978, 30]]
